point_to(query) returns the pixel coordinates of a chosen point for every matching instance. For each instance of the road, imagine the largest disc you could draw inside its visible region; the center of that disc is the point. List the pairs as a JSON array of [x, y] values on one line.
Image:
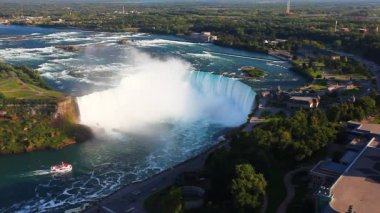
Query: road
[[131, 197]]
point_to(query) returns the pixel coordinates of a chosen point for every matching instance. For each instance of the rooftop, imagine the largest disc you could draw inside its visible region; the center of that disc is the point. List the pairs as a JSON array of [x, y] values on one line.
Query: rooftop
[[357, 143], [359, 186], [367, 128], [348, 157], [329, 168], [373, 128]]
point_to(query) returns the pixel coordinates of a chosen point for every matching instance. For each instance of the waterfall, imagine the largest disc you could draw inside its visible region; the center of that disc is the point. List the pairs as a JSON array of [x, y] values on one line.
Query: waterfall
[[217, 85], [167, 91]]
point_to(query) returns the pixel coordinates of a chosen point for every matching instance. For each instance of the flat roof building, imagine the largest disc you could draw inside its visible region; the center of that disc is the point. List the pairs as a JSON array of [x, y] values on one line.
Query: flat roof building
[[364, 128], [303, 102], [359, 186]]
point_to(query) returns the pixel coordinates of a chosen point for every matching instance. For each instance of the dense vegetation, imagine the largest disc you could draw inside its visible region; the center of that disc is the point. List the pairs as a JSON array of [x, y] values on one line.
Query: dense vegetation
[[241, 26], [315, 62], [278, 146], [247, 188], [253, 72], [359, 110], [27, 123]]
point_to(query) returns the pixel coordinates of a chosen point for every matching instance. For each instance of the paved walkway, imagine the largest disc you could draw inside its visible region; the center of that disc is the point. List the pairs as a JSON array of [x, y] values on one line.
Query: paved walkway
[[290, 191], [131, 197]]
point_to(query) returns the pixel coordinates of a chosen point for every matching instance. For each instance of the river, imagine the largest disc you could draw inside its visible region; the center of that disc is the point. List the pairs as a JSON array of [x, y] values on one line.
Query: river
[[153, 103]]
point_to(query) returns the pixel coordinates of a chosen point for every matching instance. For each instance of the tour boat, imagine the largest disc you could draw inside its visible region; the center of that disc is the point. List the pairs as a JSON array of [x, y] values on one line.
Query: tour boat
[[61, 168]]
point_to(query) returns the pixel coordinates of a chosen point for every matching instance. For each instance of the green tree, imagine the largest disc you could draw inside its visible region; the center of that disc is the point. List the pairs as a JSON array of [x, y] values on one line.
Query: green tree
[[172, 201], [247, 188]]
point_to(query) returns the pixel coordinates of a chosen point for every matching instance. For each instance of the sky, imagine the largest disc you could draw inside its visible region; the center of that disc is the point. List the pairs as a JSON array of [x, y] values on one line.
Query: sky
[[147, 1]]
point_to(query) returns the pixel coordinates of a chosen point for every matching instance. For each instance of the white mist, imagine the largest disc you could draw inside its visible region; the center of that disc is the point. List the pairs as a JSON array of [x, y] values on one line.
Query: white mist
[[166, 91]]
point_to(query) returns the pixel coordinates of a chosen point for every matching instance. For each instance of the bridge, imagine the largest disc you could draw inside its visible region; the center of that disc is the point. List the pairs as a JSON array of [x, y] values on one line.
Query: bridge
[[249, 57]]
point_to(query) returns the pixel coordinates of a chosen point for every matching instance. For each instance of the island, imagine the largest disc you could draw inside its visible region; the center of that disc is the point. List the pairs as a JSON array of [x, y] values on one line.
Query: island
[[33, 116], [252, 72]]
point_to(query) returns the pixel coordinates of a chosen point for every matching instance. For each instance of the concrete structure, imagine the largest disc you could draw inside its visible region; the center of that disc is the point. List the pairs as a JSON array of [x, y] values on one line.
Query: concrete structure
[[325, 173], [3, 113], [203, 37], [359, 186], [370, 130], [348, 157], [4, 21], [354, 182], [324, 197], [302, 102], [345, 29], [288, 12], [363, 30], [276, 41], [332, 87]]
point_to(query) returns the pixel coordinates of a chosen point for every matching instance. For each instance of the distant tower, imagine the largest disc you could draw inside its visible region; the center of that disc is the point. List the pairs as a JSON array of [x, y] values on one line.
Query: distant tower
[[288, 8], [377, 29], [123, 10], [336, 25]]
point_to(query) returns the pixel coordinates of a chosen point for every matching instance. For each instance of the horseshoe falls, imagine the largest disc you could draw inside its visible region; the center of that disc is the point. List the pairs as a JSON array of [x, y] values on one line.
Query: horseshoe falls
[[167, 92]]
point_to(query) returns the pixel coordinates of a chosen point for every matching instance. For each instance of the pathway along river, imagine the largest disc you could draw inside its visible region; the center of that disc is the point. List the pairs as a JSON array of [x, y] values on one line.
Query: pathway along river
[[150, 107]]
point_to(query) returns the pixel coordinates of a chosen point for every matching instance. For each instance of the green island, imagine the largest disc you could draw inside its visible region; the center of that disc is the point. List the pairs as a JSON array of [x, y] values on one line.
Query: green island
[[33, 116], [253, 72]]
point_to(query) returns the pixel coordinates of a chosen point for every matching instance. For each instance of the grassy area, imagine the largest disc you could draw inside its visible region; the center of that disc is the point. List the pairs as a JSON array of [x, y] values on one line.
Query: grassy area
[[317, 87], [15, 88]]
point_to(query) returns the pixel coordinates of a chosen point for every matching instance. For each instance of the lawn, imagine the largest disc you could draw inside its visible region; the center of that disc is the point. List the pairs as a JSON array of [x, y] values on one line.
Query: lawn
[[15, 88], [317, 87]]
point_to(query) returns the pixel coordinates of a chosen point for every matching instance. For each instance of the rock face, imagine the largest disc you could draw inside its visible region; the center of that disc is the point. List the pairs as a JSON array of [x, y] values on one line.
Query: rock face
[[68, 109], [67, 117], [70, 48], [124, 42]]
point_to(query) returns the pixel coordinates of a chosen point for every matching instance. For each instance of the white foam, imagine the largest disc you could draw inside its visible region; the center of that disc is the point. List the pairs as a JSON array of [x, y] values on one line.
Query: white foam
[[31, 54], [160, 42], [203, 55]]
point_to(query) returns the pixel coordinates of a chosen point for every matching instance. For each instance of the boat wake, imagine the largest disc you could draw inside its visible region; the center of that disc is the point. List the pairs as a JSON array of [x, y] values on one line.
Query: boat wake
[[36, 173]]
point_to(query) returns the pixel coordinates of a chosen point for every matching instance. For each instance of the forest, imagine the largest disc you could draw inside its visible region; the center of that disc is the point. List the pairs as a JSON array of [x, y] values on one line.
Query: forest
[[273, 148], [240, 26]]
